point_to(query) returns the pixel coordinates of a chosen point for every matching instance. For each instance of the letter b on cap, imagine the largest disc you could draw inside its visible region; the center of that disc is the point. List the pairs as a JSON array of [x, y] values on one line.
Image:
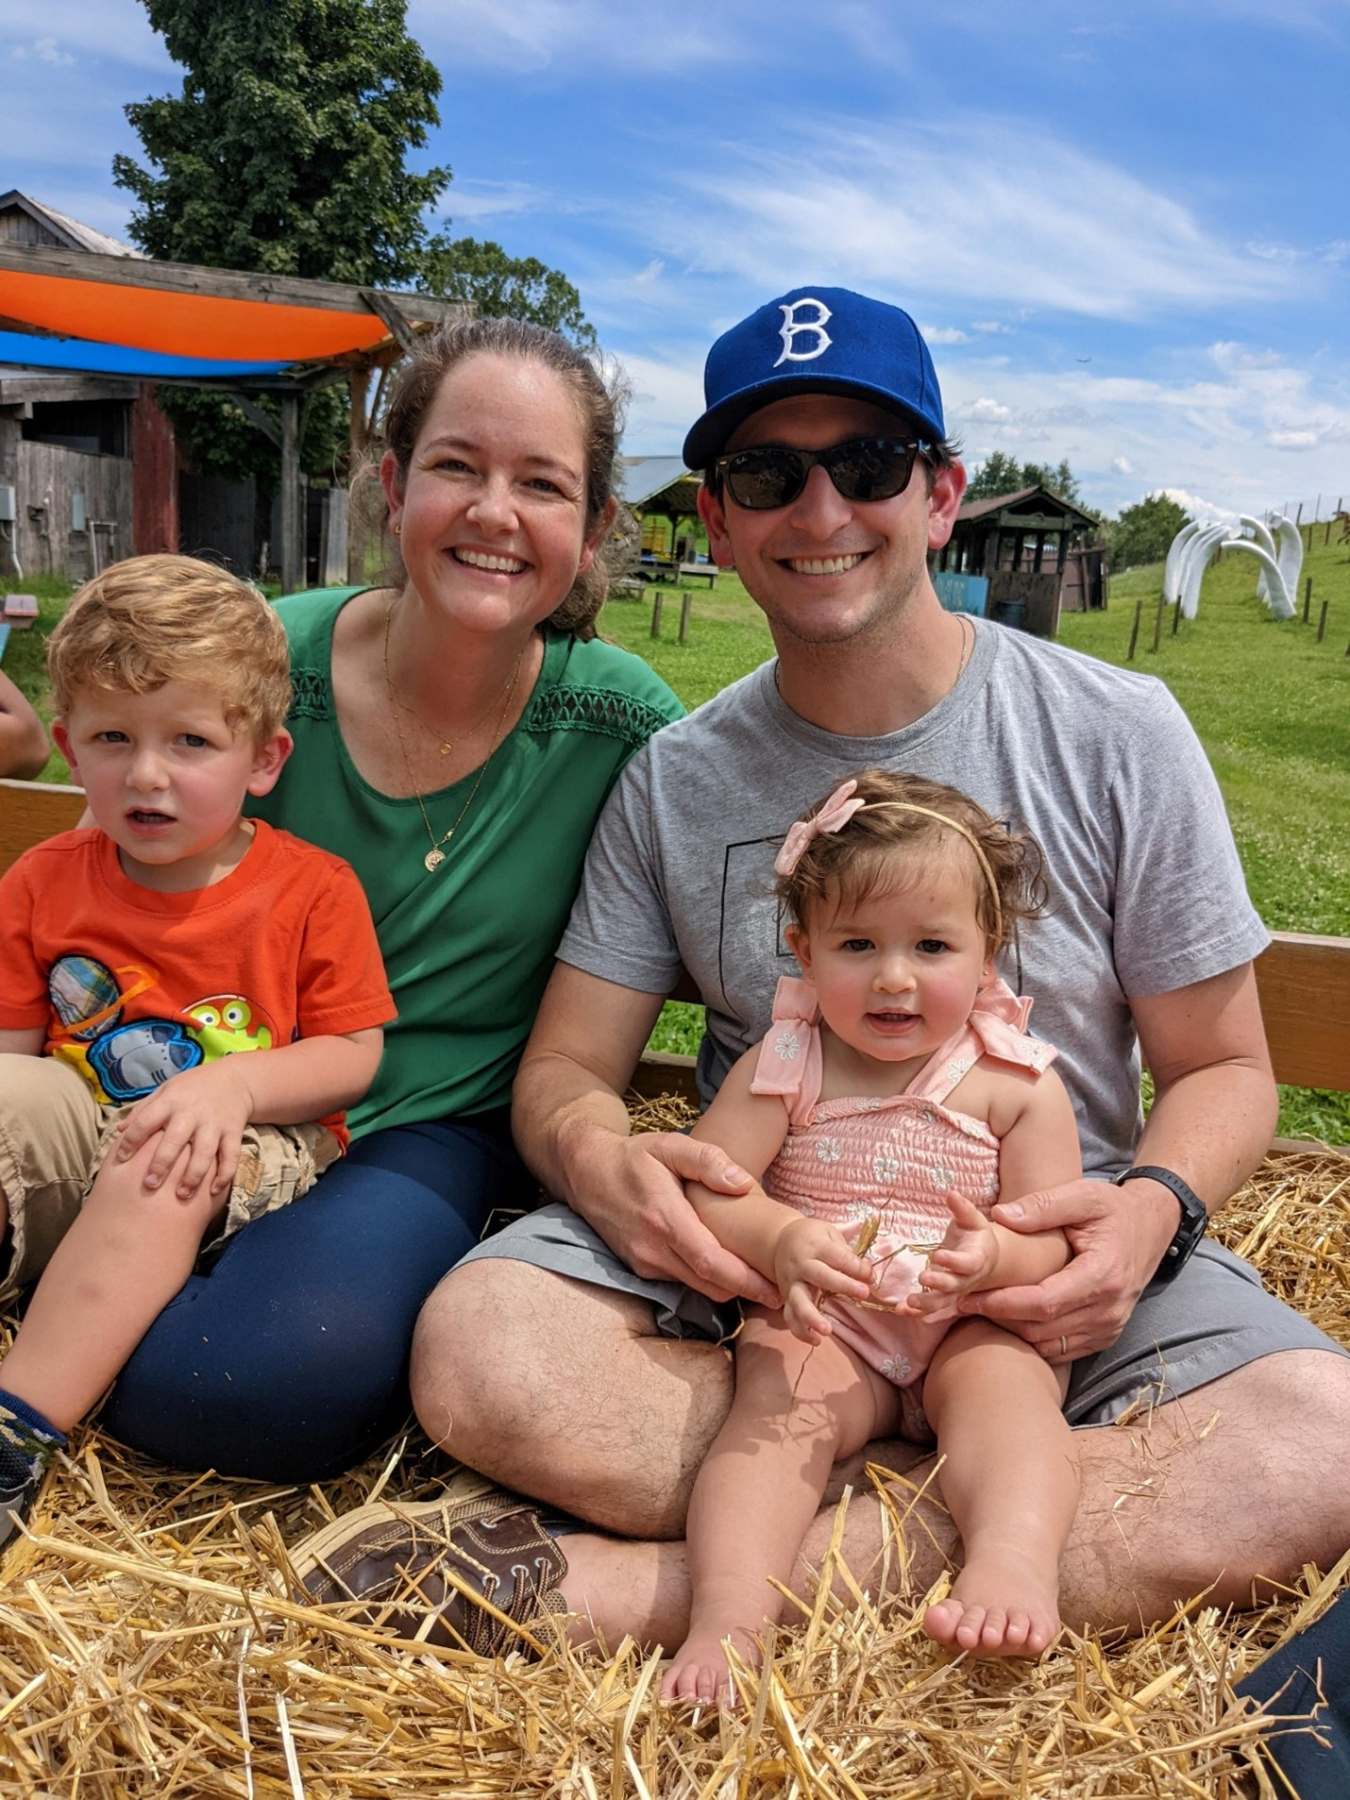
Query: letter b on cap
[[812, 328]]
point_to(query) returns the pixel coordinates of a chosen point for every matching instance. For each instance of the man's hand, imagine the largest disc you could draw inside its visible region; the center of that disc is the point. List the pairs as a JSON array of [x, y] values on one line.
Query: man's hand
[[1117, 1240], [631, 1190], [811, 1258], [202, 1110]]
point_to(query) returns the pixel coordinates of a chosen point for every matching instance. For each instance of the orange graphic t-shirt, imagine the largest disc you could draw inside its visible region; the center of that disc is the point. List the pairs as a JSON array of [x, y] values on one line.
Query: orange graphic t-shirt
[[133, 986]]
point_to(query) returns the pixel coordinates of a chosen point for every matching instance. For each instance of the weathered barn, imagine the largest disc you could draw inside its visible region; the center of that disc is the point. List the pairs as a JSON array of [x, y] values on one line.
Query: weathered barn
[[1025, 546], [88, 471]]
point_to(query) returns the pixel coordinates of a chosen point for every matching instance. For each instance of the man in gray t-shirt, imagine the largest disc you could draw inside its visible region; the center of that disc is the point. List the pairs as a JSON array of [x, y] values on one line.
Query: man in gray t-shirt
[[569, 1355]]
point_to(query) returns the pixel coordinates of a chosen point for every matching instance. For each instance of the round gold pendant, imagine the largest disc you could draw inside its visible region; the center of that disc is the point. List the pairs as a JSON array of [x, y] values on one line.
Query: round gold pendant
[[433, 859]]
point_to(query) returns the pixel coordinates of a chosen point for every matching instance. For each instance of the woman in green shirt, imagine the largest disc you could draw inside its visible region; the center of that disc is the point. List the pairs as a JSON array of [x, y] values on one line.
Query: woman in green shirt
[[456, 734]]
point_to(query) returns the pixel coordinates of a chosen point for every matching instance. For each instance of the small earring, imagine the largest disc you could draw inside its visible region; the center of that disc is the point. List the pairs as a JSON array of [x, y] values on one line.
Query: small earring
[[397, 530]]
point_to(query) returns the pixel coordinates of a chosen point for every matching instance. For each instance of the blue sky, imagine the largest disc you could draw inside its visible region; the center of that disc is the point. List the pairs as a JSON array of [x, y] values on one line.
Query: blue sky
[[1124, 227]]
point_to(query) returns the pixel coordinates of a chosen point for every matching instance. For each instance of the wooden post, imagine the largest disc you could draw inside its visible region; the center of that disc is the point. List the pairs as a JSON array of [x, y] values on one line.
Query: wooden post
[[358, 383], [1322, 621], [292, 542], [1157, 623], [1134, 629], [657, 604], [1307, 599], [686, 607], [1176, 617]]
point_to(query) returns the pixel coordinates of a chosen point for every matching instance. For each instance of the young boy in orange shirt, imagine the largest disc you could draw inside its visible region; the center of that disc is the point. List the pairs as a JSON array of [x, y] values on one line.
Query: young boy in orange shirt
[[188, 998]]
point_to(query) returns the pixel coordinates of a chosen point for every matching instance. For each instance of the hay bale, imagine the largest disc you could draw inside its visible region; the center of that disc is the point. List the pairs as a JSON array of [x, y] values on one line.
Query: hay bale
[[149, 1645]]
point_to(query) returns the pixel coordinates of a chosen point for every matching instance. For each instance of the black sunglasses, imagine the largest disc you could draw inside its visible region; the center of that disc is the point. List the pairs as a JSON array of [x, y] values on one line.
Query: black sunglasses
[[771, 475]]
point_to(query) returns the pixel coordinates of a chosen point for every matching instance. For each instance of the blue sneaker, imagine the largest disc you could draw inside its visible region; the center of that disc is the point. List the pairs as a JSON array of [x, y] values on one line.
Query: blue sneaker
[[16, 1500]]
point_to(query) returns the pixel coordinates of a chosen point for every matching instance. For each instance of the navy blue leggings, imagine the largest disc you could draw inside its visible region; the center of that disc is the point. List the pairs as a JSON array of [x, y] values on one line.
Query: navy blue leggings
[[287, 1358]]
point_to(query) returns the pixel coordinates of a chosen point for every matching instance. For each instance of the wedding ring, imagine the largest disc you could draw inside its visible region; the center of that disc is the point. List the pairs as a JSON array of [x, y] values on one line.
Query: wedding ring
[[1064, 1346]]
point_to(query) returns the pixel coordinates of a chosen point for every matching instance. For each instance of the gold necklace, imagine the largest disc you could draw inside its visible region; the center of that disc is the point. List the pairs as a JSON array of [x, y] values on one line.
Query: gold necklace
[[436, 855]]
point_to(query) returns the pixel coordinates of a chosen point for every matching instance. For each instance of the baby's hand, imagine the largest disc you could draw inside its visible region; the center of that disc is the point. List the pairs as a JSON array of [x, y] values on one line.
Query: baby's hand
[[206, 1108], [967, 1256], [811, 1258]]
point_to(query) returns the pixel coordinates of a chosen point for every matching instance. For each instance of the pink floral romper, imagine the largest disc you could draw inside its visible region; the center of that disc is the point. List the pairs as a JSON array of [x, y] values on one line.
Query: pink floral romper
[[846, 1161]]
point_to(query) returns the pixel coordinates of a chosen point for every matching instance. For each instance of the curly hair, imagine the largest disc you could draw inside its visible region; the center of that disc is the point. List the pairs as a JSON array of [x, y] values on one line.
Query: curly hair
[[871, 851], [154, 619], [599, 395]]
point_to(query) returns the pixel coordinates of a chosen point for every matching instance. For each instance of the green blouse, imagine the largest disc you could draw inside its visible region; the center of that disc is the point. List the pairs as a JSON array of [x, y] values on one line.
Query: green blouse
[[469, 947]]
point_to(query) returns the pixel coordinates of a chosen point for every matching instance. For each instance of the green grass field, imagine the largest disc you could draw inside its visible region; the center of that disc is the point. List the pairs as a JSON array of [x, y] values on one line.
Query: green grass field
[[1271, 706]]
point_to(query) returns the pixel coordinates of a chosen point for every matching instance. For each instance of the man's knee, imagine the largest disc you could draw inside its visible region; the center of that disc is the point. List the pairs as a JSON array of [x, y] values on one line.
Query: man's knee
[[504, 1348]]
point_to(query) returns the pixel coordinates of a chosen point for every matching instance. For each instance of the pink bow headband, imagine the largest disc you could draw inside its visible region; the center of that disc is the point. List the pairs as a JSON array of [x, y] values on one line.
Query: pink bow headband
[[842, 805]]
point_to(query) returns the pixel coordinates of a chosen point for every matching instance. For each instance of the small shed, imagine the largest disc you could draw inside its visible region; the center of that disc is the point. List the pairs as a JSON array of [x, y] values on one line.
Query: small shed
[[1021, 544], [662, 494]]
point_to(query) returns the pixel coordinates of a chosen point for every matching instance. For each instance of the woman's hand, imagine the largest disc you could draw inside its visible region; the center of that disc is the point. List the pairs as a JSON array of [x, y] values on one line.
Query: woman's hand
[[1117, 1241], [204, 1110], [811, 1258], [967, 1258], [633, 1188]]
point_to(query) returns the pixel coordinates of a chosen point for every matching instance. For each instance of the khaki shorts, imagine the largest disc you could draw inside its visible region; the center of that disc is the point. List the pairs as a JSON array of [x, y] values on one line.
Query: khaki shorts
[[54, 1136]]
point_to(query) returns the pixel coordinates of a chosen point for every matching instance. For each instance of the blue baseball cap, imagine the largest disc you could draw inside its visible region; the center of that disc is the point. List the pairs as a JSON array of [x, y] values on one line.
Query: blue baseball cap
[[815, 340]]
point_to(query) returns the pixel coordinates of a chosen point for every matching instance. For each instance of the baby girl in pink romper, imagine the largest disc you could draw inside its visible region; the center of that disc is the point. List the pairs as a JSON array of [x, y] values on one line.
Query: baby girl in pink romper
[[896, 1097]]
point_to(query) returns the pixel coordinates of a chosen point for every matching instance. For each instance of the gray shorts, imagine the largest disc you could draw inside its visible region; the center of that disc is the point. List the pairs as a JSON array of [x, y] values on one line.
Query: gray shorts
[[1214, 1318]]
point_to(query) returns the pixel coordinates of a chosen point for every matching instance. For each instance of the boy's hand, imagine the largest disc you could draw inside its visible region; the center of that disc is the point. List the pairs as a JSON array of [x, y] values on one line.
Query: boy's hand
[[811, 1258], [967, 1254], [206, 1109]]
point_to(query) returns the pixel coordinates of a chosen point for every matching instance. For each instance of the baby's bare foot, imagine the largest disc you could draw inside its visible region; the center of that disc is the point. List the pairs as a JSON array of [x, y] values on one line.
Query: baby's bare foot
[[1003, 1603], [699, 1675]]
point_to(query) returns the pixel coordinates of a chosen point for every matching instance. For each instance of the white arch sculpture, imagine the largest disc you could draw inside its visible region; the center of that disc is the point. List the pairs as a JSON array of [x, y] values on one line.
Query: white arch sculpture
[[1280, 555], [1257, 529], [1195, 560], [1277, 594], [1175, 552]]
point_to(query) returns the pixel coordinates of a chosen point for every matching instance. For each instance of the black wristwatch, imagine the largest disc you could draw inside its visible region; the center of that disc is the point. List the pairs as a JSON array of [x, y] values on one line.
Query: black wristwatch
[[1194, 1218]]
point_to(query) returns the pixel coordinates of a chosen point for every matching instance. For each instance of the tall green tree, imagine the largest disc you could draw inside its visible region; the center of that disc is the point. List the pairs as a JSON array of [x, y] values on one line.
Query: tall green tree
[[1143, 532], [285, 151], [1003, 474], [501, 286], [286, 148]]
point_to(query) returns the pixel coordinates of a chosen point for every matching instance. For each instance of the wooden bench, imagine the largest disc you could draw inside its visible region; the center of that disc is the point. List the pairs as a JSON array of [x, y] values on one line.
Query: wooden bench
[[1304, 982], [700, 572]]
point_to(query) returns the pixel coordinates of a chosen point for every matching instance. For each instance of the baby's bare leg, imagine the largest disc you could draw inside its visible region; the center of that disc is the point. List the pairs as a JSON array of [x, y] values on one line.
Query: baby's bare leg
[[113, 1273], [1009, 1476], [796, 1409]]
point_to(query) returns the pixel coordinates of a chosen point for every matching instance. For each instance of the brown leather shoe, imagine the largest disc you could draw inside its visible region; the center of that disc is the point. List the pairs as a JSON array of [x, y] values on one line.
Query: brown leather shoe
[[444, 1560]]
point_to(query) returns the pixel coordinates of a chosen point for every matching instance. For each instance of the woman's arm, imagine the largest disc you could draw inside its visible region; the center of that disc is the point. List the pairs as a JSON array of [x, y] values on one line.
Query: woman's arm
[[23, 741]]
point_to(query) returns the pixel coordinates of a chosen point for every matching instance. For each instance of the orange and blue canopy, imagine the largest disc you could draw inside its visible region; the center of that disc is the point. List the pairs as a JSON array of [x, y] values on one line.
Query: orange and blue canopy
[[78, 310]]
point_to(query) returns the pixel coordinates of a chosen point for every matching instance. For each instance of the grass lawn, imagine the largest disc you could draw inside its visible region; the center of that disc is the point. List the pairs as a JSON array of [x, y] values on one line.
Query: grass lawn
[[1271, 706]]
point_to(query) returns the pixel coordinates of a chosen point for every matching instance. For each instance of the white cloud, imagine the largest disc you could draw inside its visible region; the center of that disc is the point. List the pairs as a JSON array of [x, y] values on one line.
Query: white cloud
[[43, 49], [667, 398], [945, 334], [530, 35], [64, 29], [972, 209], [988, 411], [1198, 507], [989, 325], [649, 276], [1293, 440], [1122, 465], [494, 199]]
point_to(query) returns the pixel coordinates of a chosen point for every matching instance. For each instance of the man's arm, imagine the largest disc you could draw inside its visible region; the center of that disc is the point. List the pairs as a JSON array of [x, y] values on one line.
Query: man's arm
[[572, 1128], [1213, 1114], [23, 741]]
